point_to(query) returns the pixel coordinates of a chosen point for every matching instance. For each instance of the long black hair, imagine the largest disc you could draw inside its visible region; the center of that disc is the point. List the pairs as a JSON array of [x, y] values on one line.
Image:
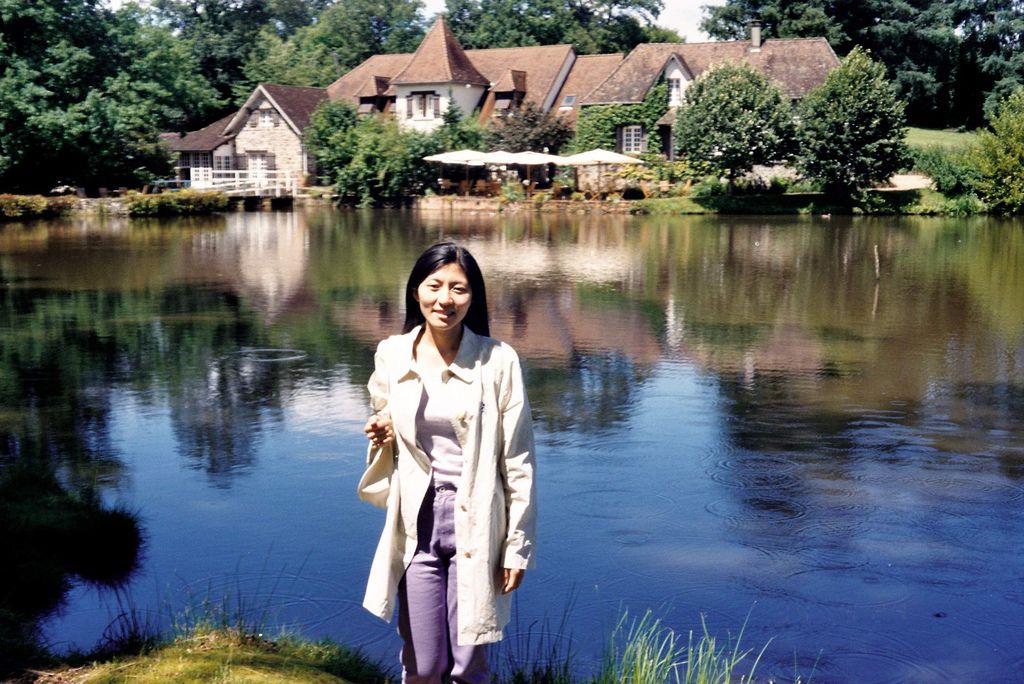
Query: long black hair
[[437, 256]]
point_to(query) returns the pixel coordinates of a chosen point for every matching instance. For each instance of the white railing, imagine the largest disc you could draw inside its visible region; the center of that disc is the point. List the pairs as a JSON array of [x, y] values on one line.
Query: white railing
[[258, 182]]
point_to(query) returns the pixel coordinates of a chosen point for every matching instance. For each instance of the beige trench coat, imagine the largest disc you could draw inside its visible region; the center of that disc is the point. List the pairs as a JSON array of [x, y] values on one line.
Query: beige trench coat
[[495, 509]]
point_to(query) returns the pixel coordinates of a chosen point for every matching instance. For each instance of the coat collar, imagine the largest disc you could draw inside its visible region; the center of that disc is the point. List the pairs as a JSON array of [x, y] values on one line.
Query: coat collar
[[461, 367]]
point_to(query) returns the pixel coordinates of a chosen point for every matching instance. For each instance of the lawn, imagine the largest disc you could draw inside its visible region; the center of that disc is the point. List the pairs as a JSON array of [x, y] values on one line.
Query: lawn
[[927, 137]]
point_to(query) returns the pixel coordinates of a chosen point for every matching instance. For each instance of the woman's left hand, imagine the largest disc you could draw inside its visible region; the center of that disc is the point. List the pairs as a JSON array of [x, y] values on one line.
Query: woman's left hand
[[511, 579]]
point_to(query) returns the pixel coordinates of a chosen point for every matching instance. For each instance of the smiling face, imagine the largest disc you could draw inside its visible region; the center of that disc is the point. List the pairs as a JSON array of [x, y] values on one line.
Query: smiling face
[[444, 297]]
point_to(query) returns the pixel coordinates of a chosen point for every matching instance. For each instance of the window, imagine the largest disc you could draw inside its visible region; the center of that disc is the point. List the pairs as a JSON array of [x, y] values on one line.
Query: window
[[266, 118], [423, 105], [633, 139], [568, 101], [222, 162], [675, 91]]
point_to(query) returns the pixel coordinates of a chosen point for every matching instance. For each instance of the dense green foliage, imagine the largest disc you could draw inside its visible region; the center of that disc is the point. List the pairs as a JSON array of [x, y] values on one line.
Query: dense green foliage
[[597, 125], [733, 118], [385, 163], [84, 92], [948, 58], [851, 128], [952, 172], [528, 129], [33, 206], [179, 203], [998, 156], [345, 34], [327, 137], [591, 26]]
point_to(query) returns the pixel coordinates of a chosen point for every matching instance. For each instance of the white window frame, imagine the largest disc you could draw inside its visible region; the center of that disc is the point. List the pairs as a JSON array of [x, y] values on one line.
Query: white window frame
[[633, 138], [675, 91], [266, 118]]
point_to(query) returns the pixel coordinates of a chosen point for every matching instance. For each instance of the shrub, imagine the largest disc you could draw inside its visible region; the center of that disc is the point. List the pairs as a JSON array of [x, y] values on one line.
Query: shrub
[[22, 206], [951, 171], [998, 154], [179, 203]]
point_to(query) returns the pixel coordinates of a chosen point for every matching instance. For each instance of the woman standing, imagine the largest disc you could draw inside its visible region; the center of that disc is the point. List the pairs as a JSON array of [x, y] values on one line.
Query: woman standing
[[451, 458]]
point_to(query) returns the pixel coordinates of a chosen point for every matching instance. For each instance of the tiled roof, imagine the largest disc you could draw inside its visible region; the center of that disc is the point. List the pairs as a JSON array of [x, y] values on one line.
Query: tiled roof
[[350, 86], [296, 102], [440, 59], [206, 139], [588, 72], [542, 63], [795, 65]]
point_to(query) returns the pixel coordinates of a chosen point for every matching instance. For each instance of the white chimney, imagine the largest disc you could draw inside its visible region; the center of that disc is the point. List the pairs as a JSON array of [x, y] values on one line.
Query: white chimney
[[755, 35]]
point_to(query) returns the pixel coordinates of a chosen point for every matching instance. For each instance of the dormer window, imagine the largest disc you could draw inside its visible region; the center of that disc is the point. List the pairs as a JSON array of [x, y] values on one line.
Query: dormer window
[[568, 101]]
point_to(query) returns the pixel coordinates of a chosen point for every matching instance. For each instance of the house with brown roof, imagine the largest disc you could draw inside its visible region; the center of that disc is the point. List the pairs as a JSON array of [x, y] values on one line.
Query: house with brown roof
[[419, 88], [263, 138], [265, 135], [796, 66]]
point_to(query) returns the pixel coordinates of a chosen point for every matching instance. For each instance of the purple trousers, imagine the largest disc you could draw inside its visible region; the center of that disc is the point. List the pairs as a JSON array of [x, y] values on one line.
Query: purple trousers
[[427, 605]]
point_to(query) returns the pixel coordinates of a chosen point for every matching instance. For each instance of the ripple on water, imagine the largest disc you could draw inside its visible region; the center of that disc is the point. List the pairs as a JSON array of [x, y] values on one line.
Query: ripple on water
[[877, 655], [753, 512], [271, 355]]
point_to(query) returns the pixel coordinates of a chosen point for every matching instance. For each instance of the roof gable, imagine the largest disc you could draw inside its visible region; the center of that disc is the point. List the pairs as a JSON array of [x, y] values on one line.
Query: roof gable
[[295, 104], [440, 59]]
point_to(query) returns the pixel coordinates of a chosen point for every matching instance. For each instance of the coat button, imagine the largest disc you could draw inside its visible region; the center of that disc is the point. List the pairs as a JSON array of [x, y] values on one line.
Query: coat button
[[467, 554], [464, 508]]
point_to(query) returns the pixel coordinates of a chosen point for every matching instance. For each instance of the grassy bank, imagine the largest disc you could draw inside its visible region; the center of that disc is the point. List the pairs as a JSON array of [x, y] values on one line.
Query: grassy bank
[[640, 651], [226, 656]]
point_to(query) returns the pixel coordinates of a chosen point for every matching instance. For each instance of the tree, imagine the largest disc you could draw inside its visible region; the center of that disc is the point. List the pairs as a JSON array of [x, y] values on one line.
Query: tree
[[327, 137], [851, 128], [998, 154], [458, 132], [379, 163], [591, 26], [84, 93], [528, 129], [732, 117], [344, 35], [220, 32]]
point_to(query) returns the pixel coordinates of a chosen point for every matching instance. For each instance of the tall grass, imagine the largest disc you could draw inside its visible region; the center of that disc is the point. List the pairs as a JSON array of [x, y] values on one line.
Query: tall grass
[[646, 652]]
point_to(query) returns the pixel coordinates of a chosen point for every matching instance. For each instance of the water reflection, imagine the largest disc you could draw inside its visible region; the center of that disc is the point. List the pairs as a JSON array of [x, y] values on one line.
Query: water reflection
[[821, 416]]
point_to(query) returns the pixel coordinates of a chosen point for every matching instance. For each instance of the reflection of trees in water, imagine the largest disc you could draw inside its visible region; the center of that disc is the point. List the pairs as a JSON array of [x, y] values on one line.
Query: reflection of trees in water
[[593, 393]]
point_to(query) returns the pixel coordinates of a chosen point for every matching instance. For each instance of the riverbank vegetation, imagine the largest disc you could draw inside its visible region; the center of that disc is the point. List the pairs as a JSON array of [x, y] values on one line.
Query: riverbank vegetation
[[178, 203], [639, 651]]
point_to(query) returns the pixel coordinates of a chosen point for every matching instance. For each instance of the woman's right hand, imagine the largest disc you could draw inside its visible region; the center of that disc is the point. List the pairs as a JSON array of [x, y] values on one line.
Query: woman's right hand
[[379, 430]]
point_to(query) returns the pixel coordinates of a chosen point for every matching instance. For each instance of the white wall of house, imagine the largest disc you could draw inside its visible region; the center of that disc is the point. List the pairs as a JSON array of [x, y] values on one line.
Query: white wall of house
[[267, 141], [426, 115]]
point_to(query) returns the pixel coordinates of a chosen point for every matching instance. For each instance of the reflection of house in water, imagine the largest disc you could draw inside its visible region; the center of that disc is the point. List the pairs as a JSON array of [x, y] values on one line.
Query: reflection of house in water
[[263, 254]]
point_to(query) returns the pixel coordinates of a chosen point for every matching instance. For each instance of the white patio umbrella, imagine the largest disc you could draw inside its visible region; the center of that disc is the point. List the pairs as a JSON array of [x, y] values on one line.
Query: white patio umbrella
[[527, 159], [599, 158], [457, 157], [465, 158]]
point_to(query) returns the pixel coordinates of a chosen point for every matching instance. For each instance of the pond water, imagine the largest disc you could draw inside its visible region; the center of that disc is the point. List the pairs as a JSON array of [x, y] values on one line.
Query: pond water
[[815, 422]]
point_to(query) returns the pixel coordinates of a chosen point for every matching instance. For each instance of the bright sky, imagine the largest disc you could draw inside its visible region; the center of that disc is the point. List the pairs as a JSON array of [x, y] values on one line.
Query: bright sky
[[682, 15]]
